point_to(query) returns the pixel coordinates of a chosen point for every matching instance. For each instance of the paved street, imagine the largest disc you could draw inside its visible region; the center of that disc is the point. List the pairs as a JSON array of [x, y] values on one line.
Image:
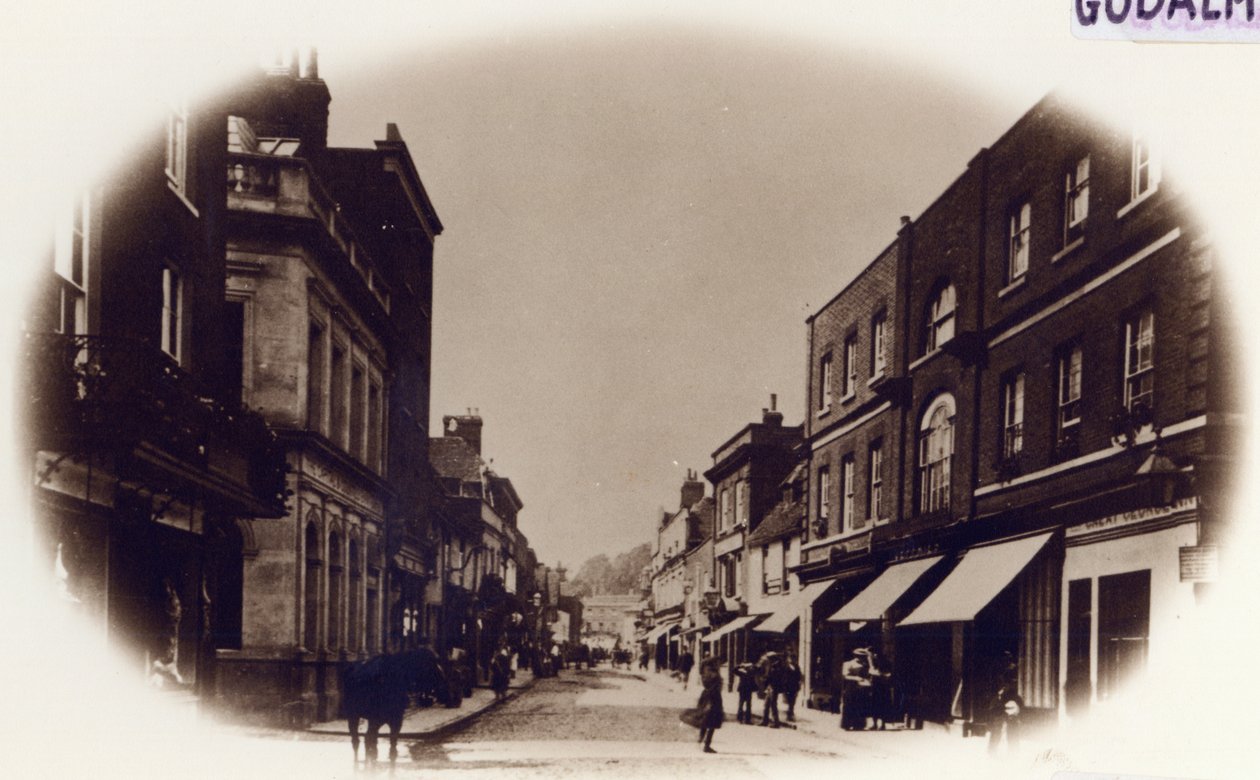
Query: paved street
[[609, 723]]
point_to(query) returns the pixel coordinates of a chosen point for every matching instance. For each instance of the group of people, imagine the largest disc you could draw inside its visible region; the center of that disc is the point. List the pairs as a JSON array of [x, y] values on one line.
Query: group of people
[[774, 675], [867, 693]]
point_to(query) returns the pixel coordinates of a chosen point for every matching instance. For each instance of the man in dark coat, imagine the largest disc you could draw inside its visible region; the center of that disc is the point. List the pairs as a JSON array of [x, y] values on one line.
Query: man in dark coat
[[500, 673], [747, 686], [710, 703], [685, 662], [789, 684], [771, 679]]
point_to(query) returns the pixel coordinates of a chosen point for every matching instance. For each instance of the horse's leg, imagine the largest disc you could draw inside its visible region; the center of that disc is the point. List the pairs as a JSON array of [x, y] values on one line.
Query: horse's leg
[[373, 732], [353, 722], [395, 727]]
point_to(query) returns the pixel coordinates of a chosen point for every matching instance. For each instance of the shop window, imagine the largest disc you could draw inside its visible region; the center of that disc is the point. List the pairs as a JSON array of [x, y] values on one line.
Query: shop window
[[1124, 618]]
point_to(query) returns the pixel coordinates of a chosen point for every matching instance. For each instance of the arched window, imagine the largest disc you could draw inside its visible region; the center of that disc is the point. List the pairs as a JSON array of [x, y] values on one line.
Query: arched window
[[310, 633], [936, 448], [334, 591], [940, 319], [352, 631]]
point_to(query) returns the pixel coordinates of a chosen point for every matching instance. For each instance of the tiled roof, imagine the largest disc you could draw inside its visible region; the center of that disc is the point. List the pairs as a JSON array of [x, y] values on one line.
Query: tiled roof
[[785, 518], [453, 457]]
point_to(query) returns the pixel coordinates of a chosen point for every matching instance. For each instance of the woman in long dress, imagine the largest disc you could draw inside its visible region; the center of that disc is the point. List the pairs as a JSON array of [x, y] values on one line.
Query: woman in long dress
[[710, 703]]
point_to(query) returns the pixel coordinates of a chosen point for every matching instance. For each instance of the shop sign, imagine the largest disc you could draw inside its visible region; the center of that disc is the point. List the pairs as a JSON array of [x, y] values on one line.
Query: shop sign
[[1131, 518], [1199, 564]]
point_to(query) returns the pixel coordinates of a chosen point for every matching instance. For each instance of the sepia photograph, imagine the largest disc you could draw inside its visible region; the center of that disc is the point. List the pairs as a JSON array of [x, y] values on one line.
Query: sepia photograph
[[677, 389]]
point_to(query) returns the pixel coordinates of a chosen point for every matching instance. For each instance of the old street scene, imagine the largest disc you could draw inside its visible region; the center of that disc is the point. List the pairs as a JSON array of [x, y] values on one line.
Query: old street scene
[[550, 412]]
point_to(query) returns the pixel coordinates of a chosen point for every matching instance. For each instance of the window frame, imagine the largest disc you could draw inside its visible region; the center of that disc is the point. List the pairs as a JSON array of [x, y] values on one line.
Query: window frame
[[875, 480], [1069, 378], [1145, 370], [938, 317], [849, 385], [171, 334], [1076, 193], [935, 475], [824, 504], [879, 360], [1014, 384], [824, 381], [1018, 243], [1144, 162], [848, 504]]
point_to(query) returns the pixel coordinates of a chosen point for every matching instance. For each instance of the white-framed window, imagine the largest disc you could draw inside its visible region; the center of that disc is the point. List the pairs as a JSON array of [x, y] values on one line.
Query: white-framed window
[[1069, 387], [1017, 245], [940, 319], [177, 147], [1139, 360], [783, 566], [725, 506], [1145, 166], [879, 360], [741, 501], [765, 569], [936, 449], [1013, 414], [850, 367], [172, 312], [1075, 198], [875, 482], [71, 250], [824, 382], [847, 516], [824, 498]]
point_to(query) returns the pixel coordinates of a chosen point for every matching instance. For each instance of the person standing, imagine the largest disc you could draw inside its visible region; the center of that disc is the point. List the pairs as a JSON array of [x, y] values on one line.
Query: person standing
[[1005, 710], [710, 703], [789, 685], [685, 662], [771, 680], [500, 673], [747, 686], [855, 694], [882, 709]]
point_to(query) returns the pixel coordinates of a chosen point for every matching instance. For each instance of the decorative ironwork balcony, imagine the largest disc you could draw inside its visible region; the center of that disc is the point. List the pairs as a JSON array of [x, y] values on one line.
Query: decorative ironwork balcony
[[87, 395]]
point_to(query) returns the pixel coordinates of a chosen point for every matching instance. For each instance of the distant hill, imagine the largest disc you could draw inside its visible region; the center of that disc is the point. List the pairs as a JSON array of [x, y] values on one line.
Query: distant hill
[[600, 576]]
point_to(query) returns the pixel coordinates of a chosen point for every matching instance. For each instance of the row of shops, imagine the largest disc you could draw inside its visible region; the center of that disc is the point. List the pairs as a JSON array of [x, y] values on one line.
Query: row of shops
[[1015, 456]]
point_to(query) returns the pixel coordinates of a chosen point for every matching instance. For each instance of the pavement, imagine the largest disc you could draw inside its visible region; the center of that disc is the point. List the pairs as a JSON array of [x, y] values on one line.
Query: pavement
[[436, 719]]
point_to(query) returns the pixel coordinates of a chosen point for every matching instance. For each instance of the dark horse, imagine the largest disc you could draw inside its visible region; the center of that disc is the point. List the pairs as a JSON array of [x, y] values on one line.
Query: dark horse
[[377, 690]]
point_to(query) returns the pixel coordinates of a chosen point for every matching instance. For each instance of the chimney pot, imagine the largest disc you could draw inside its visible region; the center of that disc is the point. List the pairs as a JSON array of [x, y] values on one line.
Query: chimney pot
[[905, 220], [774, 401]]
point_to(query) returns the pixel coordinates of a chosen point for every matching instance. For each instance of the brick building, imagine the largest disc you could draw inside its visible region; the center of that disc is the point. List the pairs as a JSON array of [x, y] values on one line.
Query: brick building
[[150, 480], [747, 473], [1068, 421]]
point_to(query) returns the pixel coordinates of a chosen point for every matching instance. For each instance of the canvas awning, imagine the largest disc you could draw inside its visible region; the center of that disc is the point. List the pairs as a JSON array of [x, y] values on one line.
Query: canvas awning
[[793, 605], [876, 598], [977, 579], [734, 625], [660, 630]]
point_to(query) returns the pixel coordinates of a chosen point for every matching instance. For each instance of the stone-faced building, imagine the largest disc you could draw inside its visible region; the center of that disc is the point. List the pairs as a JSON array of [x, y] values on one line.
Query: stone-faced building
[[329, 256]]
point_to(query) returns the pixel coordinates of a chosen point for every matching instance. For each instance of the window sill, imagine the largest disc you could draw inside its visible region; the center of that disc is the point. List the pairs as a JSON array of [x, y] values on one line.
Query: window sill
[[848, 397], [1067, 250], [925, 358], [871, 382], [1013, 286], [182, 197], [823, 412], [1126, 208]]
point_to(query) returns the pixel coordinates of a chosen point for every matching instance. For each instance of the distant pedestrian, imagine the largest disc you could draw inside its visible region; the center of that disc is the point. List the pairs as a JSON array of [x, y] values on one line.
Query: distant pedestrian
[[789, 684], [711, 703], [500, 673], [747, 686], [882, 708], [771, 680], [684, 666], [1005, 710], [856, 692]]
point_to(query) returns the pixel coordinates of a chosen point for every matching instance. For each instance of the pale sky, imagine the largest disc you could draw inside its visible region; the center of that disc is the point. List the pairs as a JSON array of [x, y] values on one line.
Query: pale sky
[[638, 221]]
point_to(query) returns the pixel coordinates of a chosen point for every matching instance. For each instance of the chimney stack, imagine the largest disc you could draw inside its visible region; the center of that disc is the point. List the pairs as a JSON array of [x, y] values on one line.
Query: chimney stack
[[772, 416], [692, 490], [464, 426]]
